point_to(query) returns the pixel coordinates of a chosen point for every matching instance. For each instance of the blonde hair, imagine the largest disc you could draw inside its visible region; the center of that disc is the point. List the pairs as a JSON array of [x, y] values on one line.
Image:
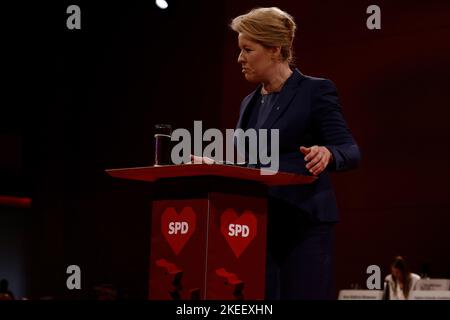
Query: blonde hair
[[271, 27]]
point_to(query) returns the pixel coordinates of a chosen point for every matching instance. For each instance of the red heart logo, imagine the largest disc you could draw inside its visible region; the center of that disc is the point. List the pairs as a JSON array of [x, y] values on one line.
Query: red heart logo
[[238, 231], [178, 228]]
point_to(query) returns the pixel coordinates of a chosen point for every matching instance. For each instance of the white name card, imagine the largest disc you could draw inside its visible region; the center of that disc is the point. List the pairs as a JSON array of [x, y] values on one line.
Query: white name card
[[429, 295], [433, 284], [360, 295]]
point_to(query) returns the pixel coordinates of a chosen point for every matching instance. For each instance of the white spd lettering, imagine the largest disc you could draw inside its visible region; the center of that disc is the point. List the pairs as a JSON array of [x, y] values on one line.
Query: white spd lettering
[[178, 227], [238, 230]]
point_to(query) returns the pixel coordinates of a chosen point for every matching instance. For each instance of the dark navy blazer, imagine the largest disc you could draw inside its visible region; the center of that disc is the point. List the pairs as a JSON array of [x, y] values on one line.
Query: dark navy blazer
[[307, 113]]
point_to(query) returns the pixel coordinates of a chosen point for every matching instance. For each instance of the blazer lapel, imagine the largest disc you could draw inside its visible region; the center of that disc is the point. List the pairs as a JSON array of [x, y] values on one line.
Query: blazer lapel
[[248, 102], [286, 95]]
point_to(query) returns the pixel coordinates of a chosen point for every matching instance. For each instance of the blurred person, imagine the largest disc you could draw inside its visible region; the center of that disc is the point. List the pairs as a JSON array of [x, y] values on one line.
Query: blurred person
[[401, 281], [5, 293]]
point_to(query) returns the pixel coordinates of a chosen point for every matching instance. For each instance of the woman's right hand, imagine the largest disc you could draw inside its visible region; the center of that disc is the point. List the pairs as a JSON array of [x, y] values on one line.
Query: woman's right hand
[[198, 160]]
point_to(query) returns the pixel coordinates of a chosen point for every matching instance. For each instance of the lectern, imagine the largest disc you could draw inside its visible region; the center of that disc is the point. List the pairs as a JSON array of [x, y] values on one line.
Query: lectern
[[208, 233]]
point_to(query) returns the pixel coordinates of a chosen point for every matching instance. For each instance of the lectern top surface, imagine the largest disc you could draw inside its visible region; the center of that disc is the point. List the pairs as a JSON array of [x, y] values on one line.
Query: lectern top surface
[[152, 174]]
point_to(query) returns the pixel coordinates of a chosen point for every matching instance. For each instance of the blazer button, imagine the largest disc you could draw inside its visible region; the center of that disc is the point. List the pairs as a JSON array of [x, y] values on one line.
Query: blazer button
[[278, 108]]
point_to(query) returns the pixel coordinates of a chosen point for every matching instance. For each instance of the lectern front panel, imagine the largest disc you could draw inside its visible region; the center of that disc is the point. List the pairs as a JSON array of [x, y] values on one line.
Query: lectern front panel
[[178, 249]]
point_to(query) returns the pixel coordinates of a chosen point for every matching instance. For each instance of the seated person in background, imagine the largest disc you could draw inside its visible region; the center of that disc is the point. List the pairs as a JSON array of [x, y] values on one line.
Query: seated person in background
[[5, 293], [401, 281]]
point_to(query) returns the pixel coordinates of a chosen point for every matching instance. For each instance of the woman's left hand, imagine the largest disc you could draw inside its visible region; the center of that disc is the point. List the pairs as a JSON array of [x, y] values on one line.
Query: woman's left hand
[[317, 158]]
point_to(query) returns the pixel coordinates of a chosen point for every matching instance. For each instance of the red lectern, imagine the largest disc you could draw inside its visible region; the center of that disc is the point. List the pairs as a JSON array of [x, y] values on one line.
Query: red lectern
[[208, 235]]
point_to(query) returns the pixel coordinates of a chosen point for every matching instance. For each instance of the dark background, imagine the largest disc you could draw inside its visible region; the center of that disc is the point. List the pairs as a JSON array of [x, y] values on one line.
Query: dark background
[[75, 102]]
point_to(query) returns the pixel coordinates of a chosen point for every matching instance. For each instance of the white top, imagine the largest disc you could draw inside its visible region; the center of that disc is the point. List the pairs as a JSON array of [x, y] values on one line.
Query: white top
[[395, 292]]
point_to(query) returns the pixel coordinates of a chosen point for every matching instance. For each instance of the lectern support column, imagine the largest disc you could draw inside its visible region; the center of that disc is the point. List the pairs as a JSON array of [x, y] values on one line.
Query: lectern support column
[[208, 248]]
